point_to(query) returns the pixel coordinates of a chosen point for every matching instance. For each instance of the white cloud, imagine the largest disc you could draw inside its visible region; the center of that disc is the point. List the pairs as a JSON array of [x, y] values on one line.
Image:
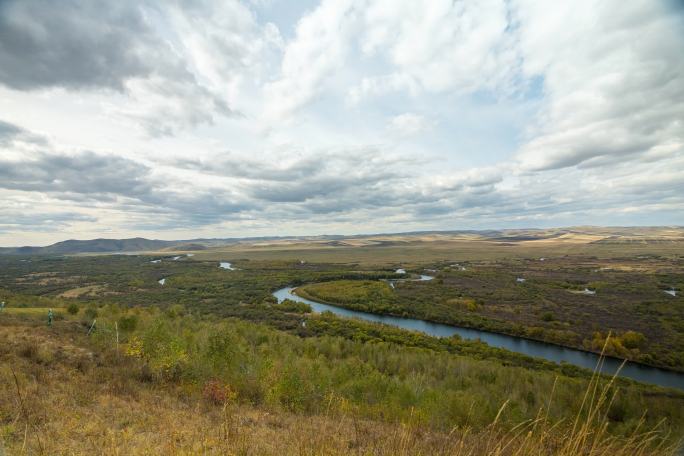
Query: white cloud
[[359, 116], [443, 45], [613, 81], [408, 124], [319, 47]]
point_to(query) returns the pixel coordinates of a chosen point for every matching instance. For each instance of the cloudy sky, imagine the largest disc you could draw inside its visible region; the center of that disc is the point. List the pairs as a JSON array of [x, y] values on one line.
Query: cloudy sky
[[184, 119]]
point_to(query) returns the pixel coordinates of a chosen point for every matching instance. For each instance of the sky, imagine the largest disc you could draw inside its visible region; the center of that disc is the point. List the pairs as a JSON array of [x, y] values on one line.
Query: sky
[[194, 119]]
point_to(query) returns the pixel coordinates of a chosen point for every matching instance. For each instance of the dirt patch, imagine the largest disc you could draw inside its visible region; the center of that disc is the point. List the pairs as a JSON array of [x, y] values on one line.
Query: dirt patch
[[90, 290]]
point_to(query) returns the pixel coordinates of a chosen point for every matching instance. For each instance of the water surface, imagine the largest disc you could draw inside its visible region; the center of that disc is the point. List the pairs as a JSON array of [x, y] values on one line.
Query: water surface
[[529, 347]]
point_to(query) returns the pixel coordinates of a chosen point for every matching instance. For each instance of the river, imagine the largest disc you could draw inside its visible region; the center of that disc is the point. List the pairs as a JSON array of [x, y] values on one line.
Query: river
[[529, 347]]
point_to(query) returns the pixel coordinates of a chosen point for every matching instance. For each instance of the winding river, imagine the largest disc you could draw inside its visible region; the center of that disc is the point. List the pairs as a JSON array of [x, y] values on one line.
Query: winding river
[[529, 347]]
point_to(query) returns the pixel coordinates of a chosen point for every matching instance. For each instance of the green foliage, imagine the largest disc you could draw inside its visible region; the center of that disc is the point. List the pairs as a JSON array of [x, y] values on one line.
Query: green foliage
[[352, 291], [288, 305], [128, 323], [164, 349], [73, 308], [373, 377], [484, 296], [633, 339], [548, 316], [90, 313]]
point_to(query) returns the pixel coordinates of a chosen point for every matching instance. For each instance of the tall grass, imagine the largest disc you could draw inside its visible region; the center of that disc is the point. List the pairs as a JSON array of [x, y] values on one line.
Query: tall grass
[[238, 388]]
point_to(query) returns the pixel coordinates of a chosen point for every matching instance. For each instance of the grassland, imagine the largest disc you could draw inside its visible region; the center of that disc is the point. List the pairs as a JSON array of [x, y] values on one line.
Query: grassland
[[177, 384], [210, 363], [550, 305], [420, 249]]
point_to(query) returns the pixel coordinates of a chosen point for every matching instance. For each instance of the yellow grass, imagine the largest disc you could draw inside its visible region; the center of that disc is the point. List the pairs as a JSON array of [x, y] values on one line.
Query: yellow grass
[[30, 311], [91, 290], [428, 251]]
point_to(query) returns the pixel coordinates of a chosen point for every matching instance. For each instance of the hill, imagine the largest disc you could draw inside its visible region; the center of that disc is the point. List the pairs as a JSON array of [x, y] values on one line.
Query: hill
[[73, 246], [667, 236]]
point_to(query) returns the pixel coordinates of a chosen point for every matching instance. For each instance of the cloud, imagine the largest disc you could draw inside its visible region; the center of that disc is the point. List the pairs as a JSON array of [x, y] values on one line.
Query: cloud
[[77, 45], [83, 173], [162, 57], [408, 124], [42, 221], [609, 97], [436, 46], [8, 131], [11, 133], [115, 183], [444, 45], [344, 177], [536, 114], [320, 46]]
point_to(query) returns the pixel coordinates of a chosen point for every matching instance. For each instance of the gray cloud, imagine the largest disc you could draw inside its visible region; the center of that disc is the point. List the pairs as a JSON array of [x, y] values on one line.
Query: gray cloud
[[12, 220], [112, 182], [345, 176], [10, 133], [606, 102], [235, 166], [108, 45], [8, 130], [602, 137], [85, 173], [74, 44], [335, 186]]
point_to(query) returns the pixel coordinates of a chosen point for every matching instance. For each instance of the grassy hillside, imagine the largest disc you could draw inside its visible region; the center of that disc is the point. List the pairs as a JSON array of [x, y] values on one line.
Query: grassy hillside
[[208, 362], [176, 384], [72, 246]]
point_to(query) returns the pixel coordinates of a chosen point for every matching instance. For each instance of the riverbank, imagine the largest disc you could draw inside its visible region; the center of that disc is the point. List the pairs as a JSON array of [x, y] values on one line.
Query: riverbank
[[535, 349], [489, 299]]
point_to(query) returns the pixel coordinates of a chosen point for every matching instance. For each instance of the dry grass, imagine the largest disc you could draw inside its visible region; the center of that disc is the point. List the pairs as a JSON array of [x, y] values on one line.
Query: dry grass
[[416, 251], [90, 290], [32, 311], [61, 397]]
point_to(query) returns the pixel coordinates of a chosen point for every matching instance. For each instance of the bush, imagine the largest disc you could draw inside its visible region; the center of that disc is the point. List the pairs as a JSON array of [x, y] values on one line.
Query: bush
[[128, 323], [163, 350], [176, 310], [218, 393], [633, 339], [289, 305], [548, 316], [91, 313], [73, 308]]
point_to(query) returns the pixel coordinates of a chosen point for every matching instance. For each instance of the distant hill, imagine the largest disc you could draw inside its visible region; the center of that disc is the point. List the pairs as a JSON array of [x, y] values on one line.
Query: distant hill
[[604, 235], [91, 246]]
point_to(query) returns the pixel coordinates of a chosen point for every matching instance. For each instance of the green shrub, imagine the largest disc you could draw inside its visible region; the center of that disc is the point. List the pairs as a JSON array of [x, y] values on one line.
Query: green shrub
[[128, 323], [91, 313], [633, 339], [289, 305], [73, 308], [548, 316]]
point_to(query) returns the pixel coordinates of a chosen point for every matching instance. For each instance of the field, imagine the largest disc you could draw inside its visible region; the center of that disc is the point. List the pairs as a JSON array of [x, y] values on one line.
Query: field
[[551, 304], [420, 249], [175, 384], [211, 362]]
